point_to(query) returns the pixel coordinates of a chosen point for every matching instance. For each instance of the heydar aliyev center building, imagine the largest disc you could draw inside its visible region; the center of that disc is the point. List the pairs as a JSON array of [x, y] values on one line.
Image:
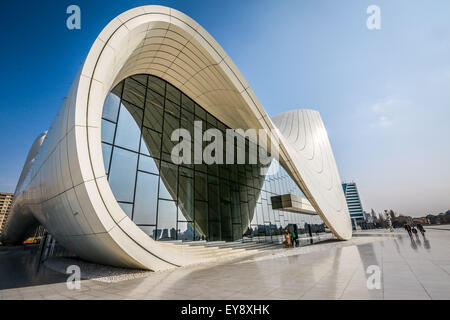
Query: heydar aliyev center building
[[102, 180]]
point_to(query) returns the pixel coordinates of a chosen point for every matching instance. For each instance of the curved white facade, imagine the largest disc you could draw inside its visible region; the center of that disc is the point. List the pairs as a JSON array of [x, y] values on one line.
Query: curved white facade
[[65, 186]]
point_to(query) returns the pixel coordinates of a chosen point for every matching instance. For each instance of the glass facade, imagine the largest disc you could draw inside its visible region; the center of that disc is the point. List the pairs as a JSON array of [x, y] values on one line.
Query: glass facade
[[188, 201]]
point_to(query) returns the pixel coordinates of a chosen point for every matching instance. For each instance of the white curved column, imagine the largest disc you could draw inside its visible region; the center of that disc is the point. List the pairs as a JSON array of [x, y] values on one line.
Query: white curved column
[[306, 140]]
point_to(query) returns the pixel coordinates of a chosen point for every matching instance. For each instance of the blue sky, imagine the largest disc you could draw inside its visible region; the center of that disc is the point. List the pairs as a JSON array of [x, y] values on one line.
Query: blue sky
[[384, 95]]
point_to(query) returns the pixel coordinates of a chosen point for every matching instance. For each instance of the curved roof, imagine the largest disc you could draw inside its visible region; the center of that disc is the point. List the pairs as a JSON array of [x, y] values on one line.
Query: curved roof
[[68, 191]]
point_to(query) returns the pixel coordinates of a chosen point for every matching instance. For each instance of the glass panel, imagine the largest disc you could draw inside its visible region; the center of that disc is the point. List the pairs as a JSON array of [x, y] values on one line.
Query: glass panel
[[127, 208], [146, 199], [123, 173], [169, 180], [172, 109], [170, 124], [108, 130], [173, 94], [148, 164], [211, 119], [201, 186], [200, 112], [111, 107], [153, 116], [225, 211], [118, 89], [187, 103], [167, 220], [156, 84], [235, 208], [128, 128], [106, 150], [187, 122], [141, 78], [149, 230], [186, 195], [213, 199], [134, 92], [151, 143], [201, 218], [185, 231]]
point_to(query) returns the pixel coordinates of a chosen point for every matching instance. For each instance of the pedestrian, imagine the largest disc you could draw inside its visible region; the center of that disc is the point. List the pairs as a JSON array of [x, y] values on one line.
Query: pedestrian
[[296, 235], [293, 239], [414, 232], [408, 228], [287, 238], [421, 229]]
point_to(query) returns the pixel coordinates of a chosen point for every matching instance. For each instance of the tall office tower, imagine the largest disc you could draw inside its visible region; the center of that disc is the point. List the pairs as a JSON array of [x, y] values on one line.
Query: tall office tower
[[5, 205], [354, 203]]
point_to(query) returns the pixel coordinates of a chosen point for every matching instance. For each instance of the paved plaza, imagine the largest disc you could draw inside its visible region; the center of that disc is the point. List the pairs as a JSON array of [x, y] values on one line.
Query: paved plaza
[[415, 268]]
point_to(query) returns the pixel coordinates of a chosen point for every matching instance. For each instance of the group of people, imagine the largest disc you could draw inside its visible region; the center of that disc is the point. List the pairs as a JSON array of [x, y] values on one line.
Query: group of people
[[412, 230], [291, 237]]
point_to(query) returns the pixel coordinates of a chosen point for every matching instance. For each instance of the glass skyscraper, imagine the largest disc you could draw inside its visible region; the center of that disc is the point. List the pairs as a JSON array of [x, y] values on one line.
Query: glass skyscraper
[[354, 203]]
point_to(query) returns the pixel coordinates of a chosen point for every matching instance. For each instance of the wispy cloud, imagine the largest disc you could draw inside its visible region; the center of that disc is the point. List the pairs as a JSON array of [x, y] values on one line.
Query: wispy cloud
[[385, 111]]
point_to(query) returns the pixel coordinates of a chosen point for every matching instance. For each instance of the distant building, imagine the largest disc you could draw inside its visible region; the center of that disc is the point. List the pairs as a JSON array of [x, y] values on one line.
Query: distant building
[[5, 205], [422, 220], [354, 204]]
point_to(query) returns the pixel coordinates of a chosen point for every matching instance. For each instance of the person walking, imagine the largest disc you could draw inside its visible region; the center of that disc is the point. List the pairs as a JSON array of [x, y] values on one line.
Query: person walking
[[408, 228], [287, 238], [293, 238], [296, 235], [414, 232], [421, 229]]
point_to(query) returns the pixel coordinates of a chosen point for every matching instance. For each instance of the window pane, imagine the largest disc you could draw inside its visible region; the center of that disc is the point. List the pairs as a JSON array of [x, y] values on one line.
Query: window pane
[[146, 199], [149, 230], [134, 92], [210, 118], [156, 84], [187, 122], [186, 195], [154, 111], [123, 173], [201, 218], [148, 164], [213, 199], [111, 107], [173, 94], [201, 186], [141, 78], [235, 208], [172, 109], [128, 129], [187, 103], [169, 180], [127, 208], [118, 89], [170, 124], [185, 231], [108, 129], [106, 150], [200, 112], [151, 143], [167, 220]]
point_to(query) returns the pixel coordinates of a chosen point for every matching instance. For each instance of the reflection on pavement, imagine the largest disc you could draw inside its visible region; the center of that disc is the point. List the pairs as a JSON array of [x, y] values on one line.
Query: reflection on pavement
[[20, 267]]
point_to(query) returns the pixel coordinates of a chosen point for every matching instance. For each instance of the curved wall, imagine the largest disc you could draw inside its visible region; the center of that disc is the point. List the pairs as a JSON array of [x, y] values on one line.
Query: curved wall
[[305, 137], [66, 188]]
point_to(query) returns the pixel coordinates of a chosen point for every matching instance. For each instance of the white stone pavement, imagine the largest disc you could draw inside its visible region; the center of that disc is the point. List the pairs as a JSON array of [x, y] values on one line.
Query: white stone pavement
[[410, 269]]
